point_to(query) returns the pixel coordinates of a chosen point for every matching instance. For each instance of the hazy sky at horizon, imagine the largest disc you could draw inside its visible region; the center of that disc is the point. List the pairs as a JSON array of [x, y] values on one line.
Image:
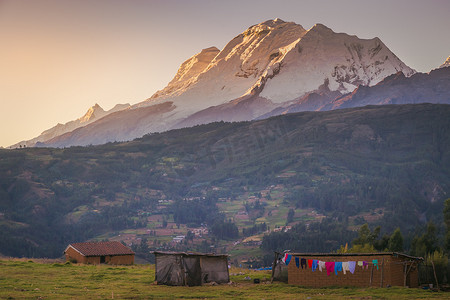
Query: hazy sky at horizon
[[59, 57]]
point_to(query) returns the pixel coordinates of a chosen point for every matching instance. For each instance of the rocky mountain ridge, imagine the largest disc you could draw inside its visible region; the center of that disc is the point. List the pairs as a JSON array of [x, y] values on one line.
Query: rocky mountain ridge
[[94, 113]]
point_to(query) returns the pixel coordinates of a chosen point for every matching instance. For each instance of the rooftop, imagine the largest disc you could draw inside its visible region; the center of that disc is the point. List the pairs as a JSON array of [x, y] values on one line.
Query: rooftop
[[396, 254], [101, 248]]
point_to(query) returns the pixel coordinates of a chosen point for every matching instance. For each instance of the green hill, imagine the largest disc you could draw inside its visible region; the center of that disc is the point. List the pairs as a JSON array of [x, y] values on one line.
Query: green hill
[[386, 165]]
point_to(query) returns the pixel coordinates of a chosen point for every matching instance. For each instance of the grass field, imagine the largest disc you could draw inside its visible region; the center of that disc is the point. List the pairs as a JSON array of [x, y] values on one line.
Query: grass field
[[21, 279]]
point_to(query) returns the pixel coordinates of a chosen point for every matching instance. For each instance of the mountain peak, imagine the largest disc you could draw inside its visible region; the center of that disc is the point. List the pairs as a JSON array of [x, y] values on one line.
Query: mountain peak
[[446, 63], [268, 26], [91, 113], [320, 28], [273, 23], [210, 49]]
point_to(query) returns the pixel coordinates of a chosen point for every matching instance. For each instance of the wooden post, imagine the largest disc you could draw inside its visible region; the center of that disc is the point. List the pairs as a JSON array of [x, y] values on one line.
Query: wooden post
[[156, 268], [371, 276], [228, 270], [183, 271], [382, 267], [404, 273], [435, 277], [274, 264]]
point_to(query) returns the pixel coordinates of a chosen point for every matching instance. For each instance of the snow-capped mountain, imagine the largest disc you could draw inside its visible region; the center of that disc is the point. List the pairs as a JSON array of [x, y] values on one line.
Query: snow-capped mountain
[[268, 66], [446, 63], [94, 113], [429, 87]]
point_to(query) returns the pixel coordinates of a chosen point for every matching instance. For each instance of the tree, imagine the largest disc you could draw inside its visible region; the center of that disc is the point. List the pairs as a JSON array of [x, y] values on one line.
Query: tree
[[366, 236], [396, 241], [427, 242], [189, 236], [225, 230], [366, 248], [447, 223], [290, 216]]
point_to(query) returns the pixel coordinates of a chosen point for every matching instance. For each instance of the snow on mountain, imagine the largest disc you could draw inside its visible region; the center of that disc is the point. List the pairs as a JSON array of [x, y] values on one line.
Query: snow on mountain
[[279, 61], [94, 113], [118, 126], [267, 66], [394, 89], [397, 89], [446, 63], [188, 73], [341, 60], [318, 60], [232, 71]]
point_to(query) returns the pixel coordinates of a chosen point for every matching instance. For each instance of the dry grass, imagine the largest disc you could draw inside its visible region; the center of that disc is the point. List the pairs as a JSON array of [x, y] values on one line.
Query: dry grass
[[42, 279]]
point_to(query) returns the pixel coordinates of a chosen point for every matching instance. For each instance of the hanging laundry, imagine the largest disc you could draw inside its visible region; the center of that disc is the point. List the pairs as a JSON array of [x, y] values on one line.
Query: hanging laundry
[[310, 261], [345, 267], [352, 266], [365, 264], [360, 263], [288, 259], [329, 265], [297, 262], [315, 264], [284, 258], [303, 262], [375, 262], [337, 267], [321, 265]]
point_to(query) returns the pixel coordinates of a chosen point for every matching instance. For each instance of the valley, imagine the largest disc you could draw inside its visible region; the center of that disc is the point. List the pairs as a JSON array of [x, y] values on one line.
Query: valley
[[222, 186]]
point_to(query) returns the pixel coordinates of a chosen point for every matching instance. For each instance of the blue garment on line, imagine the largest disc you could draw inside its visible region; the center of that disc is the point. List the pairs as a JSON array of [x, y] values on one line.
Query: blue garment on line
[[315, 264], [337, 267], [297, 262]]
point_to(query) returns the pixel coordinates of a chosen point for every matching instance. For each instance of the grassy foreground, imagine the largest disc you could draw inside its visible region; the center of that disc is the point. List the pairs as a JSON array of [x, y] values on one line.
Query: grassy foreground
[[32, 280]]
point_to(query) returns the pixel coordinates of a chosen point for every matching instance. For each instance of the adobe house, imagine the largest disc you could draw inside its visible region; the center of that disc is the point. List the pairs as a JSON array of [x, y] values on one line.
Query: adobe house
[[382, 269], [191, 269], [113, 253]]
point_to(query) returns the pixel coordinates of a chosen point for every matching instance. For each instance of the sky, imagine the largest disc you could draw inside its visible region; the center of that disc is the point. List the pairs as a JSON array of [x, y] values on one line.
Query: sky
[[60, 57]]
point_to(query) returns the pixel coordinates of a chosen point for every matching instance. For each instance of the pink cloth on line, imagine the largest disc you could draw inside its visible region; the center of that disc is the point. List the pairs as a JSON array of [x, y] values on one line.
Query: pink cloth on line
[[329, 265]]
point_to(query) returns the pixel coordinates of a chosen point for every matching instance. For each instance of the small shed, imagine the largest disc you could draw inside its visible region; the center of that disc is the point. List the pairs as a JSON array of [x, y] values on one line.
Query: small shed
[[191, 269], [361, 269], [114, 253]]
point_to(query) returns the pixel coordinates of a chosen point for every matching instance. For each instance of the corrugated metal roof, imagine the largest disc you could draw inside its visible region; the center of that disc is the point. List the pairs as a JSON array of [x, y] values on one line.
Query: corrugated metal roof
[[189, 254], [101, 248]]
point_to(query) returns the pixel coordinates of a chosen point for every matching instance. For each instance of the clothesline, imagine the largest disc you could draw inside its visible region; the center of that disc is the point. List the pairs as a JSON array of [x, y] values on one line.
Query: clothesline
[[329, 266]]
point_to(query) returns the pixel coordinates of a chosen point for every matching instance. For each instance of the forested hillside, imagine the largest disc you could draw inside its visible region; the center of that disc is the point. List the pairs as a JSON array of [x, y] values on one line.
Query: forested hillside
[[385, 165]]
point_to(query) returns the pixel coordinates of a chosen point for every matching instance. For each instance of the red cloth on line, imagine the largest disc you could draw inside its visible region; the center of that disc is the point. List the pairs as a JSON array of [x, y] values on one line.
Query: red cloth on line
[[310, 261], [329, 265]]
